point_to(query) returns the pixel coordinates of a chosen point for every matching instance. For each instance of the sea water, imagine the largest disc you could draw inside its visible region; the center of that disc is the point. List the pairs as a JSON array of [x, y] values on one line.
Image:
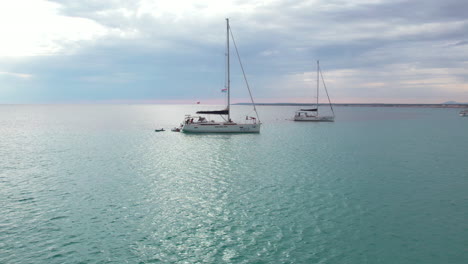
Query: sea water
[[96, 184]]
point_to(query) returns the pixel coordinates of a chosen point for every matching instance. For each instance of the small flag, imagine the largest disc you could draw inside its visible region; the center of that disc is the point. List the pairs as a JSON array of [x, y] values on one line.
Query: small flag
[[224, 90]]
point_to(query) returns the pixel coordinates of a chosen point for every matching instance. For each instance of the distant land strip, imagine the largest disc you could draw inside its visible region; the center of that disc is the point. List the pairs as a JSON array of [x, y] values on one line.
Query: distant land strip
[[459, 105]]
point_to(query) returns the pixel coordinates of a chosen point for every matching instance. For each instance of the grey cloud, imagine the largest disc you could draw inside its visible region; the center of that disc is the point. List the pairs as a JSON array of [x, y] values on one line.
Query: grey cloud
[[461, 43], [411, 11]]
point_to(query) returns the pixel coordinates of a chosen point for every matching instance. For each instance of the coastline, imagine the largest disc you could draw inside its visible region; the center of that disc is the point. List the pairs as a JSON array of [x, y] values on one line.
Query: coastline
[[369, 105]]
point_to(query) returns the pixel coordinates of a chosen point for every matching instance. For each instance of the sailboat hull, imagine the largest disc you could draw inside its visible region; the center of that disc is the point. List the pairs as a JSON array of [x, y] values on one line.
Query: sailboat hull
[[315, 118], [220, 128]]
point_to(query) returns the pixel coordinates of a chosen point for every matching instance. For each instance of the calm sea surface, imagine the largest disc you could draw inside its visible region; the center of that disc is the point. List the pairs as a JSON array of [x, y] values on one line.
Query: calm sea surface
[[96, 184]]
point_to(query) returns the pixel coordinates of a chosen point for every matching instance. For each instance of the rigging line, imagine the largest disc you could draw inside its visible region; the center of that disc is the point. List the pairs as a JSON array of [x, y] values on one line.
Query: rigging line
[[329, 101], [243, 72]]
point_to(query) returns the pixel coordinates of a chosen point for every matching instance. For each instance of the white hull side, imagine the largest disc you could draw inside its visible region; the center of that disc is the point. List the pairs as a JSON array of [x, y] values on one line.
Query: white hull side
[[315, 118], [220, 128]]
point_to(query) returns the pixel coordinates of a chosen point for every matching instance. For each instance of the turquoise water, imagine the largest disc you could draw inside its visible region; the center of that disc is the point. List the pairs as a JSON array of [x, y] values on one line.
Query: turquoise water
[[95, 184]]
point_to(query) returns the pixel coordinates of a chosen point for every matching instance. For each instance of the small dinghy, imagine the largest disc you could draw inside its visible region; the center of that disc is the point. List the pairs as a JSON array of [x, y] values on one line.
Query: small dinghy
[[159, 130], [176, 129]]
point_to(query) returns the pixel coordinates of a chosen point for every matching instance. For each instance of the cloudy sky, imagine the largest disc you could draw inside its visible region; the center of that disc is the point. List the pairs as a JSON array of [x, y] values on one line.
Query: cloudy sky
[[155, 51]]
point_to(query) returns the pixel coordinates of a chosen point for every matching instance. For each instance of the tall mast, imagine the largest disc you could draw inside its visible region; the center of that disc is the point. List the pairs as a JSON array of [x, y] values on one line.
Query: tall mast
[[228, 71], [317, 84]]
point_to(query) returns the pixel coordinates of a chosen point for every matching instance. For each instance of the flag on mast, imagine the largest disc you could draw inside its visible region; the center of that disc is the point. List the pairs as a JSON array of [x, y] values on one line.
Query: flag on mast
[[224, 90]]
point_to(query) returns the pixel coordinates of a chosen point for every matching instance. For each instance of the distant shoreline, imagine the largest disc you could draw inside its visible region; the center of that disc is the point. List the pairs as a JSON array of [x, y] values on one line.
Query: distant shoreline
[[458, 105], [369, 105]]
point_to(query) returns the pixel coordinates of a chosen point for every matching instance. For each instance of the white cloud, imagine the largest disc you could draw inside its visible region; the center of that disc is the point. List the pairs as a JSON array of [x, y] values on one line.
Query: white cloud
[[267, 53], [35, 27], [179, 9], [17, 75], [409, 83]]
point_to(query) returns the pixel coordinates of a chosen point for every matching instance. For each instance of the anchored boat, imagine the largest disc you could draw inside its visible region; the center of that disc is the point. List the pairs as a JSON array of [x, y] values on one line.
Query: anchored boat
[[312, 114], [201, 124]]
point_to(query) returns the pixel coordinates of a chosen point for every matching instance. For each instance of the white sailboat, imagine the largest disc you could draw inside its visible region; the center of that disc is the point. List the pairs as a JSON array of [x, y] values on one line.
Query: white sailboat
[[464, 112], [313, 114], [201, 124]]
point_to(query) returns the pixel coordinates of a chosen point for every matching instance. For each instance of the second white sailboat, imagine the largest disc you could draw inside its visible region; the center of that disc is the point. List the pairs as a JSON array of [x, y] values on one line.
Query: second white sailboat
[[312, 114]]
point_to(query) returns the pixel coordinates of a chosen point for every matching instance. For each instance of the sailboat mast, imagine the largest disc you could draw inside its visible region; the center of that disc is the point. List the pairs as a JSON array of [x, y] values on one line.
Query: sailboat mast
[[318, 69], [228, 71]]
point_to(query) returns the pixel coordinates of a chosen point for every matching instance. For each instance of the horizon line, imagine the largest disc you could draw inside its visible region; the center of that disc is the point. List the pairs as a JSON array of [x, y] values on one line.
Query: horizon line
[[242, 103]]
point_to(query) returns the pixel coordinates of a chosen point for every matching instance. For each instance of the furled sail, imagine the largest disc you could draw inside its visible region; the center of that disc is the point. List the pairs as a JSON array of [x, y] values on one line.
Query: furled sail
[[215, 112], [311, 110]]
